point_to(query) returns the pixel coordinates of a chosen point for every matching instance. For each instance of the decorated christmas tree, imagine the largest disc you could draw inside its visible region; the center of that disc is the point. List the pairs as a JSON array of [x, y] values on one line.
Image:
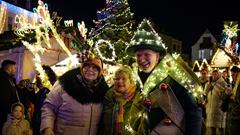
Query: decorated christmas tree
[[113, 30]]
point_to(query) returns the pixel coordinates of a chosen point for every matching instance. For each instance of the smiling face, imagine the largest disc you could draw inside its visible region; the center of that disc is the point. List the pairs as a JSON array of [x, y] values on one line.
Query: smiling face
[[90, 72], [147, 59], [17, 112], [122, 82]]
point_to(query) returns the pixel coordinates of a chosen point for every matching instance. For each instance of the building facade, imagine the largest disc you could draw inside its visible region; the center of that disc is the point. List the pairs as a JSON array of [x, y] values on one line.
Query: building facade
[[173, 45], [9, 11], [204, 47]]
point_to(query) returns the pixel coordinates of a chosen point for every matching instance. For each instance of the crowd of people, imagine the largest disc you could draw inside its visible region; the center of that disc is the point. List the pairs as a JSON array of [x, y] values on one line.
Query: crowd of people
[[82, 103]]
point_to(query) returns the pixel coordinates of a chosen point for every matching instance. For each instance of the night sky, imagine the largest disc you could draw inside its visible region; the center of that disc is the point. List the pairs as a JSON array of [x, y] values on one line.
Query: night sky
[[181, 19]]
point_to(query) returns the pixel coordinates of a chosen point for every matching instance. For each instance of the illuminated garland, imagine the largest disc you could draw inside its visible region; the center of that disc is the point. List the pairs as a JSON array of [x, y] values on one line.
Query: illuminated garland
[[206, 63], [147, 41], [3, 17], [169, 66], [114, 28], [42, 32], [83, 30], [101, 41], [196, 64]]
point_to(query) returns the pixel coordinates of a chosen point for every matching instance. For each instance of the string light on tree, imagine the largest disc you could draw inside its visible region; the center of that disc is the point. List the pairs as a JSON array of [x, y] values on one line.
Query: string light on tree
[[107, 43]]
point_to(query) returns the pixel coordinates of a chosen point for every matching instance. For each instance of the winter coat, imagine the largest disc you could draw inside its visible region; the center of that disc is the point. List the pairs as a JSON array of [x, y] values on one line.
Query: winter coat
[[233, 118], [172, 112], [8, 95], [179, 106], [22, 127], [215, 116], [72, 108], [109, 118], [37, 99]]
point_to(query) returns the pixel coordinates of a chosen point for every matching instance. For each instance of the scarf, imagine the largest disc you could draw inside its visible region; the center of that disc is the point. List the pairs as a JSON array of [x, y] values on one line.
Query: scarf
[[119, 111]]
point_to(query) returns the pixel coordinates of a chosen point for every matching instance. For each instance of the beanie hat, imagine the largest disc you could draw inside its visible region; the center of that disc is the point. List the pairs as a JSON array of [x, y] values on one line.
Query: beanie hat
[[95, 61], [146, 38]]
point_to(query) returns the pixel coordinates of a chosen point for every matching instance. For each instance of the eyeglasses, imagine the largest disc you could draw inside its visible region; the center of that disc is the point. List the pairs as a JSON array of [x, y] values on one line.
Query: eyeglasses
[[92, 67]]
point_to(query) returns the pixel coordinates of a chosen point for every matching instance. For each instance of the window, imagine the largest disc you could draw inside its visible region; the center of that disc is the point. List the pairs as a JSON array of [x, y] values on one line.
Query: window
[[201, 54]]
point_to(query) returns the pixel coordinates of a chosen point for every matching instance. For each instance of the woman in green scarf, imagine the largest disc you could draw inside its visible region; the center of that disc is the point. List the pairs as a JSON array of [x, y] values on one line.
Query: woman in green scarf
[[117, 103]]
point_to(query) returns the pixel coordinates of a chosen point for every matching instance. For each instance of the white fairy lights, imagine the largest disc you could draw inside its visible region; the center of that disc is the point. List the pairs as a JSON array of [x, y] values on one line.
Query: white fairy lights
[[170, 66], [41, 30], [3, 17], [99, 43]]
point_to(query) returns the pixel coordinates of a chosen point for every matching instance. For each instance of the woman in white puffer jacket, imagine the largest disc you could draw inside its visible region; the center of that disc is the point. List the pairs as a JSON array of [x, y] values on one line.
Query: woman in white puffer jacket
[[74, 105]]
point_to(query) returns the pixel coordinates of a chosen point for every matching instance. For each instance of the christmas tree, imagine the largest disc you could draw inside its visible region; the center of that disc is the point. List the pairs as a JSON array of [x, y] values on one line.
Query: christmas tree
[[113, 31]]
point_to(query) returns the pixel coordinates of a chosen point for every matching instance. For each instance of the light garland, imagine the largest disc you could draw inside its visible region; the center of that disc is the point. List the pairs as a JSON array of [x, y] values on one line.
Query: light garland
[[42, 32], [196, 64], [82, 29], [206, 63], [101, 41], [169, 66], [18, 10], [147, 40], [114, 28], [3, 16]]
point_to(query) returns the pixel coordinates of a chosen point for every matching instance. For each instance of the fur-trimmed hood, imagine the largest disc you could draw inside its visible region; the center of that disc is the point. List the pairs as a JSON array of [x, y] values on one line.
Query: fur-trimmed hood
[[73, 83]]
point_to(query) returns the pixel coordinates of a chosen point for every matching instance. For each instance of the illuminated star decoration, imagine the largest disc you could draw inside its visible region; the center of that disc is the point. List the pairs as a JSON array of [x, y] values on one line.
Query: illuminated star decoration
[[230, 34]]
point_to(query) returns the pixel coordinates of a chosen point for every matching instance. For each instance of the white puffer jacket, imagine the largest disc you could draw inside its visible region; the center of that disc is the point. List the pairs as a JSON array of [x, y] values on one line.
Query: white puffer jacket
[[66, 116]]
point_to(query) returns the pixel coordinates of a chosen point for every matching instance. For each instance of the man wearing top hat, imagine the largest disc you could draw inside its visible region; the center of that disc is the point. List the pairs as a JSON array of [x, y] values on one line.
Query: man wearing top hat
[[171, 107]]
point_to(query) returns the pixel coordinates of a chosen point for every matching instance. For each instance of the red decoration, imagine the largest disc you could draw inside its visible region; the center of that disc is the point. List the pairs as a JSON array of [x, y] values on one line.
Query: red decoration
[[167, 121], [163, 86]]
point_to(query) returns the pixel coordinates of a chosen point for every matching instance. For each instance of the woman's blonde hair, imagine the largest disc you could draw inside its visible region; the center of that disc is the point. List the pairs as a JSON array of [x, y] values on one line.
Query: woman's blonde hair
[[127, 70]]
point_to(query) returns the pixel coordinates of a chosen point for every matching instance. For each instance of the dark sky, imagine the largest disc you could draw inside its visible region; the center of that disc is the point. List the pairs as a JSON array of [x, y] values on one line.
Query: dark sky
[[181, 19]]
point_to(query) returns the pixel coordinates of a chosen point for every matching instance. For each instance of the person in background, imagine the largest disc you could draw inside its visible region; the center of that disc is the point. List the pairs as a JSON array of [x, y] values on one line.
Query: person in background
[[225, 76], [203, 79], [25, 90], [168, 104], [74, 105], [232, 103], [117, 102], [215, 88], [39, 95], [8, 89], [16, 124]]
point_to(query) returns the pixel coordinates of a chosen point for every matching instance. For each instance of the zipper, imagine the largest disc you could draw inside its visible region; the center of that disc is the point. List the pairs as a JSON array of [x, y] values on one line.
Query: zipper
[[89, 130]]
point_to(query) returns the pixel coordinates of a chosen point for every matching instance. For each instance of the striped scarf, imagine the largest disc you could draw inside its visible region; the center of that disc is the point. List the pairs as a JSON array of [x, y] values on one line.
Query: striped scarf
[[121, 100]]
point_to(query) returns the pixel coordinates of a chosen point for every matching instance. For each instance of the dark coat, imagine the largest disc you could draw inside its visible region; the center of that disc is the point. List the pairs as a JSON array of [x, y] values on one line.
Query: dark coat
[[233, 114], [179, 105], [192, 113], [8, 95]]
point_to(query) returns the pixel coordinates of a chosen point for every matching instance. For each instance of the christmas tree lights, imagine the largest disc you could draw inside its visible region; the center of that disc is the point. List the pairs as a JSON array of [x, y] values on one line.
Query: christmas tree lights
[[114, 25]]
